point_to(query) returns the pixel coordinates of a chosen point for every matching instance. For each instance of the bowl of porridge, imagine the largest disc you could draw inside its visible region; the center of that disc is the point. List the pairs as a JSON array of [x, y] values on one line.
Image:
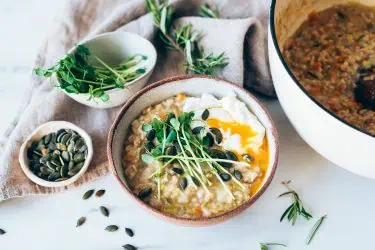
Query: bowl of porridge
[[194, 150], [323, 65]]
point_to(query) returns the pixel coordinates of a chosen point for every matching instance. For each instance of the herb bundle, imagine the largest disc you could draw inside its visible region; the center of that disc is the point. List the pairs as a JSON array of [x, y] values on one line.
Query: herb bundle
[[296, 209], [76, 74], [193, 150], [185, 39]]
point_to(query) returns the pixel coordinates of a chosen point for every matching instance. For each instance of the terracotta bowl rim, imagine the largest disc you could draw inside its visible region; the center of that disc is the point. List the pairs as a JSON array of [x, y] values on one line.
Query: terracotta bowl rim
[[175, 219]]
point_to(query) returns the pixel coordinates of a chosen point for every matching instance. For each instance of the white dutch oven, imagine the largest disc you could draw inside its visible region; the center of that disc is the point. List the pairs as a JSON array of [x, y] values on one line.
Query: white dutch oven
[[332, 137]]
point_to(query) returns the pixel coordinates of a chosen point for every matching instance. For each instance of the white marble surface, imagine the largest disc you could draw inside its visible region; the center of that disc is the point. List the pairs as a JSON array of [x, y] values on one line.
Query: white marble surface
[[46, 223]]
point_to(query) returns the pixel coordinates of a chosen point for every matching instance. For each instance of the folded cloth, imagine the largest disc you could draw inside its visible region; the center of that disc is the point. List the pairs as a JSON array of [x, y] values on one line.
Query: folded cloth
[[240, 34]]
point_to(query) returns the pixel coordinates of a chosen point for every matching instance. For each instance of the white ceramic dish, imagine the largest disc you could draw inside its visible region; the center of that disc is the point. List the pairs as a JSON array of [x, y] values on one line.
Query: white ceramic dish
[[332, 137], [195, 86], [42, 130], [113, 48]]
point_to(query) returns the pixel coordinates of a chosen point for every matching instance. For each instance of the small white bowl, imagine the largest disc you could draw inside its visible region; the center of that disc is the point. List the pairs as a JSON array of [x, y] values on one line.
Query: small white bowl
[[113, 48], [42, 130]]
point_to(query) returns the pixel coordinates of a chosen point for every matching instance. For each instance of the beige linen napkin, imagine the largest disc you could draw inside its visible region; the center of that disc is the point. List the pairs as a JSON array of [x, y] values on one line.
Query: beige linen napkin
[[241, 35]]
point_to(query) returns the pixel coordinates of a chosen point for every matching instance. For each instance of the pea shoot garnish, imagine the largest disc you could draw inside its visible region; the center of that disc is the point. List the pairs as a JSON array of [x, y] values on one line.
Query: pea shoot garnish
[[314, 229], [266, 246], [77, 75], [296, 209], [178, 143]]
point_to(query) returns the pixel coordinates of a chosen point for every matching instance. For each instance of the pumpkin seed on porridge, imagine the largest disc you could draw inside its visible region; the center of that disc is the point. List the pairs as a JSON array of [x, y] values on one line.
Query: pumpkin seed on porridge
[[196, 157], [332, 55]]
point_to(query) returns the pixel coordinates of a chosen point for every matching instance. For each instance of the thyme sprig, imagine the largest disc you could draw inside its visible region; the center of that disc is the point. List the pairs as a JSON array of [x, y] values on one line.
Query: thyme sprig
[[314, 229], [77, 75], [194, 153], [266, 246], [206, 11], [185, 39], [296, 209]]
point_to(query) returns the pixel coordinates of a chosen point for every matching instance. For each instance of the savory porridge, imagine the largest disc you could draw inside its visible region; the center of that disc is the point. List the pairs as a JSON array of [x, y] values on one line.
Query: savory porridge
[[333, 55], [196, 157]]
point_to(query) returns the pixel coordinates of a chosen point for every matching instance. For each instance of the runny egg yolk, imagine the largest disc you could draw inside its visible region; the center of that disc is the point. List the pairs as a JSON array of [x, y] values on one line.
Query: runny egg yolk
[[235, 128]]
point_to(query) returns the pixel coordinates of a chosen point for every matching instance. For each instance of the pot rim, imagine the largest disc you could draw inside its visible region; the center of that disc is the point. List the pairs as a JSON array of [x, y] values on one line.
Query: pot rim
[[191, 221], [286, 67]]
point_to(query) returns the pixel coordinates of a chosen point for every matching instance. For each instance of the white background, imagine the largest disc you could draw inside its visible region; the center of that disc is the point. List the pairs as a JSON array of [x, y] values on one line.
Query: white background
[[45, 223]]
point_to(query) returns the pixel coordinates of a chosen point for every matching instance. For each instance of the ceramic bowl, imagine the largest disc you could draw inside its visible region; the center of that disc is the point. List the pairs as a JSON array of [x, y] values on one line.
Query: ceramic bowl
[[332, 137], [113, 48], [195, 86], [42, 130]]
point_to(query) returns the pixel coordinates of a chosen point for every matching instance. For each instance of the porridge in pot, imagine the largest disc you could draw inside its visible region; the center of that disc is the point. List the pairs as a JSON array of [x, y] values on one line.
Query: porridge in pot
[[196, 157], [332, 54]]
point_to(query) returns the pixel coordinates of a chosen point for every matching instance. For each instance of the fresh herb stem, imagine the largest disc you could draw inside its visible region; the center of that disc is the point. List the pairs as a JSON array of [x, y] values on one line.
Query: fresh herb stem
[[206, 11], [265, 246], [296, 209], [315, 228]]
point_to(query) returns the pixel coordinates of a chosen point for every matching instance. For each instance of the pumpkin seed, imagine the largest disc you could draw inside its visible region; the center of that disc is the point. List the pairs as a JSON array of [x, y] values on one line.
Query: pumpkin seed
[[104, 211], [208, 140], [149, 146], [78, 144], [65, 155], [111, 228], [2, 231], [183, 183], [237, 174], [205, 114], [217, 135], [60, 131], [129, 232], [47, 139], [52, 146], [178, 170], [81, 221], [169, 117], [82, 148], [88, 194], [171, 150], [77, 158], [61, 146], [70, 165], [197, 130], [225, 176], [65, 138], [100, 193], [59, 137], [247, 157], [129, 247], [50, 166], [195, 180], [144, 193], [70, 147], [231, 156], [53, 176], [151, 135]]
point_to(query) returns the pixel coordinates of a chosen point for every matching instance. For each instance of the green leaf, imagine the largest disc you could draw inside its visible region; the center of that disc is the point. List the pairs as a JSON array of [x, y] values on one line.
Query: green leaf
[[171, 136], [146, 127], [104, 97], [175, 123], [156, 124], [148, 159], [163, 20], [71, 89]]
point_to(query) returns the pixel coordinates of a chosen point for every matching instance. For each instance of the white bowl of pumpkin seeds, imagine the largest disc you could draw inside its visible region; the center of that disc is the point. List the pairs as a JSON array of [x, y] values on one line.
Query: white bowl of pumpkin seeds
[[56, 154]]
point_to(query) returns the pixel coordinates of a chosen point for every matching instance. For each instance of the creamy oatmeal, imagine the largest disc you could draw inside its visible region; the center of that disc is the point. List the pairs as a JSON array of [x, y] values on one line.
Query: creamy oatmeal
[[333, 55], [191, 157]]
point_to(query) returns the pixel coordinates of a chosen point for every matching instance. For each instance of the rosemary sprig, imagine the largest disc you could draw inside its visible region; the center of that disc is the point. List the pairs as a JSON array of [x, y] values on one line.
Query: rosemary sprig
[[296, 208], [206, 11], [314, 229], [185, 40], [265, 246]]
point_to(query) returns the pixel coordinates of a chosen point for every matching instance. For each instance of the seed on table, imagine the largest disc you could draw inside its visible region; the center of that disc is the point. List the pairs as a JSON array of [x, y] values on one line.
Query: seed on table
[[129, 247], [81, 221], [129, 232], [88, 194], [111, 228], [2, 231], [104, 211], [100, 193]]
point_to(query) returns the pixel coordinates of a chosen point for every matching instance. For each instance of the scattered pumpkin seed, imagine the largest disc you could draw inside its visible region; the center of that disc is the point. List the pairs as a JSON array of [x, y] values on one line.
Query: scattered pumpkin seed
[[197, 130], [111, 228], [81, 221], [2, 231], [104, 211], [100, 193], [218, 136], [129, 247], [205, 114], [129, 232], [88, 194], [178, 170], [225, 176], [183, 183], [195, 180], [237, 174]]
